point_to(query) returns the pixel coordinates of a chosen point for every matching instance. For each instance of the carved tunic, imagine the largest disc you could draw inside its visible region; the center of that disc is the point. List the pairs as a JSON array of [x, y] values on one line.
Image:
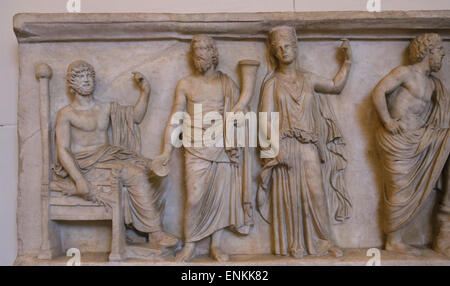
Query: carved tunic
[[300, 183], [296, 108], [216, 192]]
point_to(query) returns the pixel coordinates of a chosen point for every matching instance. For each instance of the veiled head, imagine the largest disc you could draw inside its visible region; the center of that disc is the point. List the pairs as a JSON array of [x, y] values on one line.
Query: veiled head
[[283, 44]]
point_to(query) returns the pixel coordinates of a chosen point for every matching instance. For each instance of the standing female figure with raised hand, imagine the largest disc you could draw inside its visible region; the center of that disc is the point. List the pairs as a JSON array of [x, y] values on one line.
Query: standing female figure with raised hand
[[308, 167]]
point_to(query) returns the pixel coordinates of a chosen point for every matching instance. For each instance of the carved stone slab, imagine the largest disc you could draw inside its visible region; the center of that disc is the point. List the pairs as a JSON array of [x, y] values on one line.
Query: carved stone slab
[[157, 45]]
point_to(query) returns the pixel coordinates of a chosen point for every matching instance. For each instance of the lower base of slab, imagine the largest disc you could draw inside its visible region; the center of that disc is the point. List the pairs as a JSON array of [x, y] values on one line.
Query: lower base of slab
[[352, 257]]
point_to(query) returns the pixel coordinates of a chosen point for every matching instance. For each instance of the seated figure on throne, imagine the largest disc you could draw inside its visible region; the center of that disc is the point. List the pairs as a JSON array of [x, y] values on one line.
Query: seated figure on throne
[[82, 142]]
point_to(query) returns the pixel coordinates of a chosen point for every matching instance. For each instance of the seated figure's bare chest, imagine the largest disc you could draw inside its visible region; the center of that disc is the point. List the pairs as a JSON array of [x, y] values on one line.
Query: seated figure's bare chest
[[90, 127]]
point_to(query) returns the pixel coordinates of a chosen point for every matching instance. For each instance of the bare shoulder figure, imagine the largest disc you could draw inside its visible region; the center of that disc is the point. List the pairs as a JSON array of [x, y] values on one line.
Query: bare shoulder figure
[[412, 105], [406, 109], [82, 142], [211, 177]]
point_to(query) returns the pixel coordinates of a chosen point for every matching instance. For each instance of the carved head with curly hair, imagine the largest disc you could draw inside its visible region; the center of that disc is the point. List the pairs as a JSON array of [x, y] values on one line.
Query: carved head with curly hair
[[424, 45], [81, 78], [204, 53]]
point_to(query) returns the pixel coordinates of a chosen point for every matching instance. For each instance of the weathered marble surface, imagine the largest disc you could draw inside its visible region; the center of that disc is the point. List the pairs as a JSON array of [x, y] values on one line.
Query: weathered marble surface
[[158, 45], [352, 257]]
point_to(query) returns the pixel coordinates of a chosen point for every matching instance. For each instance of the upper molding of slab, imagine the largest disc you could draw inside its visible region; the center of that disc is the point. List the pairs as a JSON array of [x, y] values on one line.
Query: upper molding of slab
[[68, 27]]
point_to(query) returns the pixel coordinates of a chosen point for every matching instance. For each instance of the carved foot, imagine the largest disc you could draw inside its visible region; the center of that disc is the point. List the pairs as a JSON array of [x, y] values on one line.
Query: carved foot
[[442, 246], [133, 238], [297, 253], [162, 239], [443, 251], [186, 253], [219, 255], [442, 242], [401, 247], [336, 251]]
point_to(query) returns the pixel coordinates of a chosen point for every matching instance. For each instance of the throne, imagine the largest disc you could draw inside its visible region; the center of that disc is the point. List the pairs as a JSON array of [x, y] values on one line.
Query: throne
[[56, 206]]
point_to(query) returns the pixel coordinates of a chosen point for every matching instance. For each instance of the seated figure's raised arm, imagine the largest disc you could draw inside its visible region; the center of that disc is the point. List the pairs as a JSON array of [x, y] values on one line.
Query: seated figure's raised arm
[[140, 108]]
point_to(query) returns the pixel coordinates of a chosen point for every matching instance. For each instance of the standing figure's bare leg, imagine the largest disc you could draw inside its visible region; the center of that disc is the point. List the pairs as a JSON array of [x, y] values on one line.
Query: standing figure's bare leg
[[216, 247], [186, 253], [394, 242], [336, 251], [442, 240]]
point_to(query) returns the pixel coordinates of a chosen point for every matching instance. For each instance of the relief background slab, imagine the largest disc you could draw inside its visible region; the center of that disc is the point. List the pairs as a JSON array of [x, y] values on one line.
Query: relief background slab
[[158, 45]]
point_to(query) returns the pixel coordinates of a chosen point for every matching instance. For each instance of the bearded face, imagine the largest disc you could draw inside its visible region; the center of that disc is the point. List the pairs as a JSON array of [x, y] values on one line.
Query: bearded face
[[83, 82], [203, 56], [436, 56], [202, 64]]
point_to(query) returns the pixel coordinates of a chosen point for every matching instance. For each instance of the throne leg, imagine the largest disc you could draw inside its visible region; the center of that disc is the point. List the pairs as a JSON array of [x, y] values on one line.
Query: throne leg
[[118, 227], [50, 240]]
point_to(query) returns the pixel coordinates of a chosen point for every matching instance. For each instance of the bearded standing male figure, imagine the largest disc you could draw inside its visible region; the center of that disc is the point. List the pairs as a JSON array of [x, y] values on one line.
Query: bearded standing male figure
[[215, 199]]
